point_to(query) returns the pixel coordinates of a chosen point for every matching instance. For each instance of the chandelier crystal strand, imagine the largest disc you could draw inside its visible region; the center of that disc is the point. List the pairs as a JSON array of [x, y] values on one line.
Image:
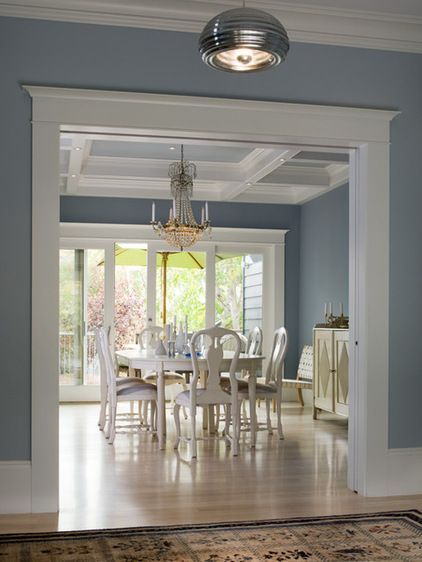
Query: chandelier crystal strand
[[181, 230]]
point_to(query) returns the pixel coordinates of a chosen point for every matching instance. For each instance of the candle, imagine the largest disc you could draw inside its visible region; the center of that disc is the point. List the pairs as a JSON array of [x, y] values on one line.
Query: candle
[[330, 308], [341, 309], [206, 210], [170, 214], [325, 309], [153, 212], [174, 208], [202, 215]]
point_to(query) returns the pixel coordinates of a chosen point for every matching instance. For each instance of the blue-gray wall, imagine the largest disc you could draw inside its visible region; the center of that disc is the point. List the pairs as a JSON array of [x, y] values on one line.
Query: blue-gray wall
[[88, 56], [324, 259]]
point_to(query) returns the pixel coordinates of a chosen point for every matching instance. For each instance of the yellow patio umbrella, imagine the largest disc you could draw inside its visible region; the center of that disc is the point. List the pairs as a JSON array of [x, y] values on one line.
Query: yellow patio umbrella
[[138, 256], [135, 256]]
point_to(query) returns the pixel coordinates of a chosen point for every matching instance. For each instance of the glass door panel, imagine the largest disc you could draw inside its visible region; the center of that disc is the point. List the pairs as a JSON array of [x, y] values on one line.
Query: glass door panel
[[130, 296], [239, 285], [180, 289], [94, 311], [81, 311], [71, 317]]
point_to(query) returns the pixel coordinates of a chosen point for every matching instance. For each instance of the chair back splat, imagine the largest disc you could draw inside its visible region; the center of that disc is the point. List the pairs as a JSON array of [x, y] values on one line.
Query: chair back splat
[[214, 356], [149, 337], [254, 345], [275, 365]]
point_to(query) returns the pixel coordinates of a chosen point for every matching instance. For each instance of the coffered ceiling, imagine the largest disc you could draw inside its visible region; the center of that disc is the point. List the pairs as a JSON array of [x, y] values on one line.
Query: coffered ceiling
[[123, 166], [394, 25]]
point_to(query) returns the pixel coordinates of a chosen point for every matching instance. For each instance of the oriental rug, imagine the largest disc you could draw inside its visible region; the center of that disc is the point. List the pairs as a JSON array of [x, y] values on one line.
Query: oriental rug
[[378, 536]]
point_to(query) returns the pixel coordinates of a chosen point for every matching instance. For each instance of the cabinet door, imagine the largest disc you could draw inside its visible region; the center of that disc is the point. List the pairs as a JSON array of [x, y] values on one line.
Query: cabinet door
[[341, 377], [323, 370]]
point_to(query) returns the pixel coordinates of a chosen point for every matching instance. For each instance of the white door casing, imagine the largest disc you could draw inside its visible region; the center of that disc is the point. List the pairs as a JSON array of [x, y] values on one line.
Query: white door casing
[[364, 132]]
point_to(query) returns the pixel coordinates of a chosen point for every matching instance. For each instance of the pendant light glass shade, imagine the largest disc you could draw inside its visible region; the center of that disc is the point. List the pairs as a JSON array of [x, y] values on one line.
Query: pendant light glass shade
[[243, 40]]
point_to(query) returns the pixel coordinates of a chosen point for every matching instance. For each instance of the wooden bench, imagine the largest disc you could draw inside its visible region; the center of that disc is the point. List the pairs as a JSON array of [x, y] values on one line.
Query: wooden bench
[[304, 373]]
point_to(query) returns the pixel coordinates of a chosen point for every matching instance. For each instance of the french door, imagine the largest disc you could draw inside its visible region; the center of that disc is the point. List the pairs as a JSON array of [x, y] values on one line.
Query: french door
[[124, 285]]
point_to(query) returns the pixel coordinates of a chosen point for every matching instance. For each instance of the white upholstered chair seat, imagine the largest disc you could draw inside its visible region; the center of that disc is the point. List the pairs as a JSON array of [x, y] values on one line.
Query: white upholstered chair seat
[[127, 380], [260, 388], [170, 377], [183, 398], [131, 389]]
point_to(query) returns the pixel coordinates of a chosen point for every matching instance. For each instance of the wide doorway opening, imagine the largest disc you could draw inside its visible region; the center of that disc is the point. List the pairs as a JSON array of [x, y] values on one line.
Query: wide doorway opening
[[320, 133]]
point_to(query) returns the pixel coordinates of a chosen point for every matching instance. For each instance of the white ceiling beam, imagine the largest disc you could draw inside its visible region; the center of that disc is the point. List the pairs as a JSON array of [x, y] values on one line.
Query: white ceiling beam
[[77, 157], [157, 168], [263, 162], [143, 188], [339, 175]]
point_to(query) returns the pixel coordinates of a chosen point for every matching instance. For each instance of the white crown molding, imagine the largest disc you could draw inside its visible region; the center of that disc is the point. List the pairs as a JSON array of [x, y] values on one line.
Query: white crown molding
[[308, 24]]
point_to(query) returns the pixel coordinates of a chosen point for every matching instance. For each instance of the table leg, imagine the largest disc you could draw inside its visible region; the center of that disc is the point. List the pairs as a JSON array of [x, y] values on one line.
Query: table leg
[[205, 410], [161, 413], [252, 405]]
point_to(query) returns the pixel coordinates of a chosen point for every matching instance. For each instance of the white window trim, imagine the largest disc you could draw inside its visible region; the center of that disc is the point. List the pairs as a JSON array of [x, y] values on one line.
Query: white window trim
[[364, 131]]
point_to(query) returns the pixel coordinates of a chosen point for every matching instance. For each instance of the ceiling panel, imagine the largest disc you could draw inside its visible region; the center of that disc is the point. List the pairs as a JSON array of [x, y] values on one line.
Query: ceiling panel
[[138, 167], [165, 151]]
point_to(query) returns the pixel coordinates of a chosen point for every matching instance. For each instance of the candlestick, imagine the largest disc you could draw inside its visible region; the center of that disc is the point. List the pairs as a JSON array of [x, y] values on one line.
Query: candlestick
[[341, 309], [325, 310], [330, 308], [153, 212]]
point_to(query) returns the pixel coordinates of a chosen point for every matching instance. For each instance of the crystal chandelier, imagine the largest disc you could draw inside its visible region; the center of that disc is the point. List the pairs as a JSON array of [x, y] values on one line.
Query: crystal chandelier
[[181, 230]]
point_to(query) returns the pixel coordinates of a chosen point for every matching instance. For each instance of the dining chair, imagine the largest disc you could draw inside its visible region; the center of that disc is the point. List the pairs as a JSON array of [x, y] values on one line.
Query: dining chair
[[138, 391], [212, 394], [268, 391], [149, 337], [254, 343], [103, 380]]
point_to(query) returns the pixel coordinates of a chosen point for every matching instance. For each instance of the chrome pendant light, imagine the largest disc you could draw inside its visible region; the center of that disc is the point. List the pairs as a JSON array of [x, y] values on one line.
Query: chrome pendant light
[[243, 40]]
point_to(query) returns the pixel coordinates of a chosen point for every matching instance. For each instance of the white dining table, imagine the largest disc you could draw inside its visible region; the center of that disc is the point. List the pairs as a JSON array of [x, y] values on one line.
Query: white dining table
[[146, 360]]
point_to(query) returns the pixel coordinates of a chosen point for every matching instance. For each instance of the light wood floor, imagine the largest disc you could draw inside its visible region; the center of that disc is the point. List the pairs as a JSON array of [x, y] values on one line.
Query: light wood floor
[[133, 483]]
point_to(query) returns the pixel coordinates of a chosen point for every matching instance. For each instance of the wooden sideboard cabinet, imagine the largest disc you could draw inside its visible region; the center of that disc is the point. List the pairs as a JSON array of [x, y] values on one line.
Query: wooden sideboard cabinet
[[331, 371]]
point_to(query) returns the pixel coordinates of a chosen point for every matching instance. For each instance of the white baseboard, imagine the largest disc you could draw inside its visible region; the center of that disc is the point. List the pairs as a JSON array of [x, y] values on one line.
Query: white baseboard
[[15, 486], [404, 471], [79, 393]]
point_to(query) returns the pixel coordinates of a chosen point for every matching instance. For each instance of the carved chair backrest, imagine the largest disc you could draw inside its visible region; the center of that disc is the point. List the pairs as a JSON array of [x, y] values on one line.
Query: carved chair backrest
[[214, 356], [229, 343], [149, 337], [106, 360], [274, 371], [254, 345]]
